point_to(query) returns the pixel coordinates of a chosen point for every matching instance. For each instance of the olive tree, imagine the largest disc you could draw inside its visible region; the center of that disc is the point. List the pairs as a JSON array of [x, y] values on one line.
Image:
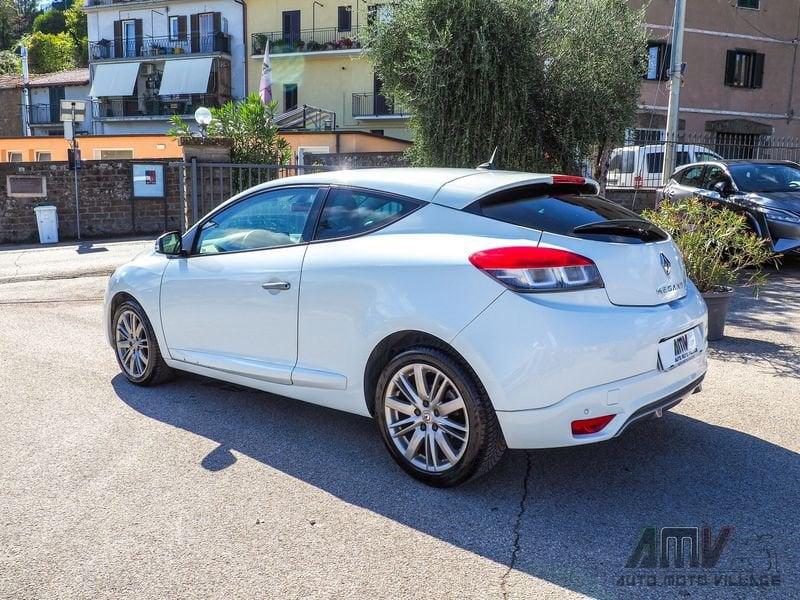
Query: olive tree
[[546, 82]]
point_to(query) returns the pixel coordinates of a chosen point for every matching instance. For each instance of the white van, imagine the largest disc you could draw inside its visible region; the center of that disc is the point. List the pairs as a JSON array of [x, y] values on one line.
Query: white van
[[640, 166]]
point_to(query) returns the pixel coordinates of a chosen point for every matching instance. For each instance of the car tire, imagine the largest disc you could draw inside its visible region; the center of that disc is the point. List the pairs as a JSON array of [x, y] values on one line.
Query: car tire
[[440, 449], [136, 347]]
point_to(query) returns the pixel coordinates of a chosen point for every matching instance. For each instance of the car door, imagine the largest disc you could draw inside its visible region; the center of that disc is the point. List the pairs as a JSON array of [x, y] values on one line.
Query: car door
[[231, 304], [714, 175], [688, 183]]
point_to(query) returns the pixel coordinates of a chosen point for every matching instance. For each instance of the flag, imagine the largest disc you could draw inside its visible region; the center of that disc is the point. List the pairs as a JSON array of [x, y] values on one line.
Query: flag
[[265, 87]]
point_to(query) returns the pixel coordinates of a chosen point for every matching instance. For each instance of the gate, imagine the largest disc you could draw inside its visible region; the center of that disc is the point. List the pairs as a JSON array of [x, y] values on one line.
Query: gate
[[203, 186]]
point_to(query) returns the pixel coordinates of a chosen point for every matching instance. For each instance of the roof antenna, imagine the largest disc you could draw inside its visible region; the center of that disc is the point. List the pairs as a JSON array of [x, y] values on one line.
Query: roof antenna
[[489, 166]]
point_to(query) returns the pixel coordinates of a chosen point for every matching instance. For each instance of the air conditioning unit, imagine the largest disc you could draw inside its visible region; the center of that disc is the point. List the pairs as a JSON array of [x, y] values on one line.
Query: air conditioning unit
[[148, 69]]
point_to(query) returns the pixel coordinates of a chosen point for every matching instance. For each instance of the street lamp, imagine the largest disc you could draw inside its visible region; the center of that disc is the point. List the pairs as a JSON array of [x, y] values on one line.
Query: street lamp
[[203, 117]]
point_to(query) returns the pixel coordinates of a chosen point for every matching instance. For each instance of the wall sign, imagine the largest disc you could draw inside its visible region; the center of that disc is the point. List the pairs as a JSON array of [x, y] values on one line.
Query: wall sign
[[26, 186], [148, 180]]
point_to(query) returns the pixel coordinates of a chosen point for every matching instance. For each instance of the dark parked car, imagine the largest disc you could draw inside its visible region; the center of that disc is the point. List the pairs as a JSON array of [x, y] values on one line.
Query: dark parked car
[[766, 192]]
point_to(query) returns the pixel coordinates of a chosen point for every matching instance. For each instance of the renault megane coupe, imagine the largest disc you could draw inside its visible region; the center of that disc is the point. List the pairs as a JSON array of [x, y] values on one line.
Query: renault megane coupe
[[467, 311]]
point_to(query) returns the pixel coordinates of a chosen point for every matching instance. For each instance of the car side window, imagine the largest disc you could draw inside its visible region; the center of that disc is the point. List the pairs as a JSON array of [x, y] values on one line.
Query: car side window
[[692, 177], [264, 220], [714, 175], [349, 212]]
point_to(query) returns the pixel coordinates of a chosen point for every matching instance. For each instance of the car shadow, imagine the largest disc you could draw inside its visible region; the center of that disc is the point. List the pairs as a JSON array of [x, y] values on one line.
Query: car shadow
[[569, 516]]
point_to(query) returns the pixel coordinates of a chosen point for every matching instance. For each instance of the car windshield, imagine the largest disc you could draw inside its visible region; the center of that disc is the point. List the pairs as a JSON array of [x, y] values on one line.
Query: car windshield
[[766, 177]]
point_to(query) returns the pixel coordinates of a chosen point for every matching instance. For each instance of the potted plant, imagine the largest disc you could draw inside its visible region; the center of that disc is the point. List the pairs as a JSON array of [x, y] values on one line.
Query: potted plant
[[260, 41], [719, 250]]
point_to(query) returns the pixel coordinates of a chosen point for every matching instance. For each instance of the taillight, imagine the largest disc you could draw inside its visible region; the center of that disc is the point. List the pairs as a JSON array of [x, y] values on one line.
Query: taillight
[[590, 426], [535, 269]]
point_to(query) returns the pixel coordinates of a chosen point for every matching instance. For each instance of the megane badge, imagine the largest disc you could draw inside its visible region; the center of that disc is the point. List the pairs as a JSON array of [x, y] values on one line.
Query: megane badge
[[666, 265]]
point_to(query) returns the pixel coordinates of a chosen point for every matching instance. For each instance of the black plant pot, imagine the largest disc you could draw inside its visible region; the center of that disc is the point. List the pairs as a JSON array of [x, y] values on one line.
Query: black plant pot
[[718, 304]]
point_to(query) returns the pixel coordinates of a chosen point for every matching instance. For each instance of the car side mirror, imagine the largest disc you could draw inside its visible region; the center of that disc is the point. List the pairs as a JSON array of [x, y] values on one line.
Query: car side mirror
[[170, 244]]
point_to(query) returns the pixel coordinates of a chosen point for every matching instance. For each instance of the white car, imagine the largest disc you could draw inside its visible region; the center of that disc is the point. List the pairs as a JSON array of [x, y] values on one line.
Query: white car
[[465, 310], [642, 166]]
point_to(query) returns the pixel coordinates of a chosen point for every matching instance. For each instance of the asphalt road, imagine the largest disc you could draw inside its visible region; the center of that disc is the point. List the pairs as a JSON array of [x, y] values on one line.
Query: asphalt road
[[203, 490]]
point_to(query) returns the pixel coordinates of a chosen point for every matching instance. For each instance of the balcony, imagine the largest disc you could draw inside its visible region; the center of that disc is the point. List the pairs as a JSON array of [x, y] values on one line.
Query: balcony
[[132, 107], [43, 114], [376, 105], [91, 3], [322, 39], [162, 47]]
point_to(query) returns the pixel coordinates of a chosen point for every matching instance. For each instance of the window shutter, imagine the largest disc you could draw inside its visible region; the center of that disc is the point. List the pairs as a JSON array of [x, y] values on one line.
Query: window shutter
[[758, 70], [194, 26], [139, 38], [182, 28], [117, 39], [217, 17], [666, 61], [345, 19], [730, 68]]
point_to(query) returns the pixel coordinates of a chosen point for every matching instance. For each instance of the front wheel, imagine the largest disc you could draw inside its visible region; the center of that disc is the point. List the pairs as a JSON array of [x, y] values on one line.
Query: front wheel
[[436, 419], [136, 346]]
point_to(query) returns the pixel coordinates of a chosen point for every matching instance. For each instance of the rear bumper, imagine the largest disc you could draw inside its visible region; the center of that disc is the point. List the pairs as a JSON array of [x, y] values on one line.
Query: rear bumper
[[629, 400]]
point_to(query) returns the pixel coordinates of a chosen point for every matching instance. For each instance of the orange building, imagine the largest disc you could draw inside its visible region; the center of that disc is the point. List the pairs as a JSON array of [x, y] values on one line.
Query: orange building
[[145, 146]]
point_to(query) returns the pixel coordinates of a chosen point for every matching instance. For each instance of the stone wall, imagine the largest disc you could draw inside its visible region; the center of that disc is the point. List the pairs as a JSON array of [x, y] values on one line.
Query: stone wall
[[107, 205], [358, 160]]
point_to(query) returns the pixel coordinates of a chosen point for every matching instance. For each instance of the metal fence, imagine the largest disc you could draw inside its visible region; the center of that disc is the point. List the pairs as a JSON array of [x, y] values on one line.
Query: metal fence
[[638, 163], [203, 186], [320, 39], [150, 46]]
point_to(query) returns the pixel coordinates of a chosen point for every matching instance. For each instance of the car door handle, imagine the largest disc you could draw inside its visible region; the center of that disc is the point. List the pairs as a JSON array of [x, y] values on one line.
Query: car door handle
[[280, 286]]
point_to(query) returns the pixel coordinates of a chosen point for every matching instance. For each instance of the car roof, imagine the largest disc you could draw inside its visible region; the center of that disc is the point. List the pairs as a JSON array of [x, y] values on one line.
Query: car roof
[[735, 161], [455, 188]]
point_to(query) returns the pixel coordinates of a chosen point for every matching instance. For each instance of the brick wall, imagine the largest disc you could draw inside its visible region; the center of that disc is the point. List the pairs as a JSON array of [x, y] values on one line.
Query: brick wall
[[107, 206], [10, 116]]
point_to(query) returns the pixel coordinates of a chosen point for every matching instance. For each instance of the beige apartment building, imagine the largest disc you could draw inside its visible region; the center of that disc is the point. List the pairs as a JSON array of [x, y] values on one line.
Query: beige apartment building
[[741, 69]]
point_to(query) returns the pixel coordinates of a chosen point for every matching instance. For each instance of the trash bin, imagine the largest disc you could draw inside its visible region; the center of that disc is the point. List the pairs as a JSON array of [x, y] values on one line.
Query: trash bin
[[47, 220]]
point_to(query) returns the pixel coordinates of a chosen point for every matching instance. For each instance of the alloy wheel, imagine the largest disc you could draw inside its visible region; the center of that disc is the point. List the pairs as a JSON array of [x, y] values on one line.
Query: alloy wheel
[[426, 417], [132, 344]]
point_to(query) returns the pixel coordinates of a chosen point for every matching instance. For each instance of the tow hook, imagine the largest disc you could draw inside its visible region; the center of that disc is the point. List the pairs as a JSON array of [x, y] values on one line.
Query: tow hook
[[698, 389]]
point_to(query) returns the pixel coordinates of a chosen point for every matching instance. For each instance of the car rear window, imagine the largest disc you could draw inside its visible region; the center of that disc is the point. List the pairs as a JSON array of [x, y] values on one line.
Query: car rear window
[[559, 211]]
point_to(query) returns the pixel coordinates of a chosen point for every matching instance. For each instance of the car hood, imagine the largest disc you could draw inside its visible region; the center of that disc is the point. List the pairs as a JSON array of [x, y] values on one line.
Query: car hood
[[783, 200]]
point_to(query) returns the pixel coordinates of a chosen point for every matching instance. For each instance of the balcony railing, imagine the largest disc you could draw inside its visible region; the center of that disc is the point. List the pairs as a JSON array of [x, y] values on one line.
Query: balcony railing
[[159, 46], [375, 105], [322, 39], [43, 114], [132, 106], [110, 2]]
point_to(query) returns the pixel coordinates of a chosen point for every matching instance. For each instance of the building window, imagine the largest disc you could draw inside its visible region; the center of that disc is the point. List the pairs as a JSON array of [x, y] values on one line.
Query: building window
[[754, 4], [377, 131], [643, 135], [43, 156], [345, 18], [174, 29], [659, 55], [112, 153], [289, 96], [744, 69], [14, 156]]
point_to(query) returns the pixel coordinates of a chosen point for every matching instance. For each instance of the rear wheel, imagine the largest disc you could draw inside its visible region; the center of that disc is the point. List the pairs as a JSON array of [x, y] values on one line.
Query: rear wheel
[[137, 351], [436, 418]]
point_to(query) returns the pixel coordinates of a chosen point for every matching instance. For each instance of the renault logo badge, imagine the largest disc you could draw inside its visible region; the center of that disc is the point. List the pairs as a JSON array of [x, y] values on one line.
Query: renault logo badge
[[666, 265]]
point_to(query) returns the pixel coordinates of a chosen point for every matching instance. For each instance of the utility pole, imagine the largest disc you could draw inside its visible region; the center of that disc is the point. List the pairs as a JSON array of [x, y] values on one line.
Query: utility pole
[[676, 70], [26, 99]]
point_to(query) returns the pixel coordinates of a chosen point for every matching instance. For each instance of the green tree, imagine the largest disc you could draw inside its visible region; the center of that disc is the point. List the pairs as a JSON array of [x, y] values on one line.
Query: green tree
[[8, 21], [545, 82], [249, 124], [10, 63], [75, 26], [49, 52], [51, 21]]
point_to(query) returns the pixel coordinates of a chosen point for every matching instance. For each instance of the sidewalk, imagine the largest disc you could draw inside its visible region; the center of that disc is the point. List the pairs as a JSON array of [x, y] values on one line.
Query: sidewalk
[[67, 260]]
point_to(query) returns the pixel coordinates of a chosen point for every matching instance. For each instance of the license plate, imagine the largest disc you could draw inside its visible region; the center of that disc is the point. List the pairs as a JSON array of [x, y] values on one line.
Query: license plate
[[677, 350]]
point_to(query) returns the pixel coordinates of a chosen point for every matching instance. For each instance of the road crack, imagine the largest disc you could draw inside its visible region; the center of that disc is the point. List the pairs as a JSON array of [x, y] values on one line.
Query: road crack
[[517, 527]]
